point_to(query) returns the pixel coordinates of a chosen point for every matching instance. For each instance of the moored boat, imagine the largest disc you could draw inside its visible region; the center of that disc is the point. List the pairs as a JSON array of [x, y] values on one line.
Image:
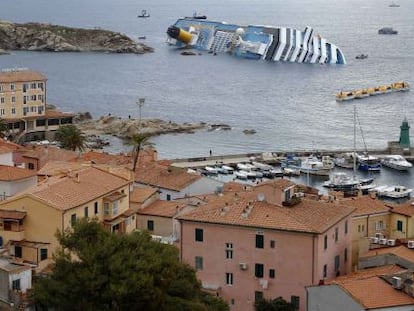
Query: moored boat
[[396, 162], [367, 162], [393, 192]]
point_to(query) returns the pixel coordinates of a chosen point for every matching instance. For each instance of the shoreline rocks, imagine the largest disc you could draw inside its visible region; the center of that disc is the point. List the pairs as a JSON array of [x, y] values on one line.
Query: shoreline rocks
[[55, 38], [126, 128]]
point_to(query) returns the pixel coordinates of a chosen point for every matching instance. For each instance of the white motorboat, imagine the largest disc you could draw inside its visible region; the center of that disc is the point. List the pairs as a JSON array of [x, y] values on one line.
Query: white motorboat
[[342, 182], [345, 160], [396, 162], [241, 175], [313, 166], [228, 169], [211, 170], [393, 192], [289, 171], [243, 167]]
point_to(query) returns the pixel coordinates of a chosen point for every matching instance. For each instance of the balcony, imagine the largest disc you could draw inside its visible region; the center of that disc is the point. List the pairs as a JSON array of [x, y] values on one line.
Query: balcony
[[13, 235]]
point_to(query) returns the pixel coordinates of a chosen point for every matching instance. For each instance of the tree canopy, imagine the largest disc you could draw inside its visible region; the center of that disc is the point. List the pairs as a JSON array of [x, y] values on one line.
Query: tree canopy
[[98, 270], [139, 140], [70, 137], [277, 304]]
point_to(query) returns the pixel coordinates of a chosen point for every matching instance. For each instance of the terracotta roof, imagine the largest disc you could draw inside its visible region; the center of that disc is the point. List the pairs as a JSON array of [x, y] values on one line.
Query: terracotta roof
[[406, 208], [50, 153], [11, 173], [5, 214], [360, 286], [162, 208], [366, 205], [54, 168], [8, 146], [21, 76], [279, 183], [244, 210], [172, 178], [129, 212], [105, 158], [139, 195], [52, 113], [400, 251], [70, 191]]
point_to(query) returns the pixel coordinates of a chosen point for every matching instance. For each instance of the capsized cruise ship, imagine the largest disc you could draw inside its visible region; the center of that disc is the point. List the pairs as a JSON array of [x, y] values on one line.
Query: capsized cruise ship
[[255, 42]]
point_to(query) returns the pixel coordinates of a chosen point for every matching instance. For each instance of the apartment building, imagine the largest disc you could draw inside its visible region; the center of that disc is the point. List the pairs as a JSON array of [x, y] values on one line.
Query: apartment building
[[266, 242], [23, 105]]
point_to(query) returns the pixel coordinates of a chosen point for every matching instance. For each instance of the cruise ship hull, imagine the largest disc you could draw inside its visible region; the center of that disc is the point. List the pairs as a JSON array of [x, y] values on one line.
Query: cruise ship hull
[[254, 42]]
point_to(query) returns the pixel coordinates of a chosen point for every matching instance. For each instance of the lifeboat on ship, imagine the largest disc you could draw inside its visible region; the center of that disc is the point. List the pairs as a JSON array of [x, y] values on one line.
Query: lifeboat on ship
[[400, 86], [343, 96]]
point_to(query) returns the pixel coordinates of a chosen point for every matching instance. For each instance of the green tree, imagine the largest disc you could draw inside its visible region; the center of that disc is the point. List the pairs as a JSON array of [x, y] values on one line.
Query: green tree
[[71, 137], [4, 129], [277, 304], [98, 270], [139, 140]]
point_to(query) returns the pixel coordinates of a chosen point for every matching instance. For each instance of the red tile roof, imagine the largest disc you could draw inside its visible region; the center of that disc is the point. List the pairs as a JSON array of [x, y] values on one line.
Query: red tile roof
[[172, 178], [162, 208], [399, 251], [365, 205], [406, 208], [21, 76], [139, 195], [11, 173], [5, 214]]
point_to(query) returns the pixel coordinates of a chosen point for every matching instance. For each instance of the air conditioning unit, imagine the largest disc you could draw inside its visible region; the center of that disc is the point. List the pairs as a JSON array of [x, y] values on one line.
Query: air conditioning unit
[[374, 240], [379, 235], [383, 241], [396, 282], [264, 283], [391, 242], [410, 244], [243, 266]]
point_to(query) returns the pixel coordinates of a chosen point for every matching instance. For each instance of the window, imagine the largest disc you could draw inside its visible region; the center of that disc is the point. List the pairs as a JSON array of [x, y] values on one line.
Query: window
[[73, 219], [2, 112], [13, 99], [150, 225], [106, 208], [380, 225], [2, 100], [336, 234], [346, 254], [12, 87], [18, 251], [33, 86], [13, 111], [258, 270], [168, 197], [259, 240], [272, 243], [294, 300], [229, 250], [43, 253], [199, 235], [229, 278], [325, 271], [16, 284], [399, 225], [115, 207], [272, 273], [359, 228], [96, 208], [198, 263], [258, 296], [25, 87], [346, 227], [1, 88], [86, 211], [325, 242], [40, 85], [30, 166], [337, 262]]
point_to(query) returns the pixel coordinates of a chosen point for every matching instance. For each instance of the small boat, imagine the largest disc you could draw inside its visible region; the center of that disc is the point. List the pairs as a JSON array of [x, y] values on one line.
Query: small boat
[[288, 171], [313, 166], [396, 162], [394, 5], [197, 16], [211, 170], [241, 175], [361, 56], [368, 162], [144, 13], [393, 192], [340, 181], [400, 86], [142, 37], [229, 169], [387, 31], [344, 96], [345, 160]]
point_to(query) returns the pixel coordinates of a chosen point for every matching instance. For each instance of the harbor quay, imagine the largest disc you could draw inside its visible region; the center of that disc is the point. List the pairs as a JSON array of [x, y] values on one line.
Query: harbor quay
[[274, 158]]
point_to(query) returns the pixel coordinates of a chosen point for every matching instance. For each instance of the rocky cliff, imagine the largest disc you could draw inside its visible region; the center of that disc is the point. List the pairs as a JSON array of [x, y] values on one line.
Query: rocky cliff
[[47, 37]]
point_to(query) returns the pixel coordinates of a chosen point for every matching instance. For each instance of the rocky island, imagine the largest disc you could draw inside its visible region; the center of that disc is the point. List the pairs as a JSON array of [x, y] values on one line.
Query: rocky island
[[55, 38]]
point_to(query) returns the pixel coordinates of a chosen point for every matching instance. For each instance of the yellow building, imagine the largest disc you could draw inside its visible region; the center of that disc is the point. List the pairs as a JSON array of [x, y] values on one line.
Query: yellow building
[[402, 221], [29, 221], [23, 104]]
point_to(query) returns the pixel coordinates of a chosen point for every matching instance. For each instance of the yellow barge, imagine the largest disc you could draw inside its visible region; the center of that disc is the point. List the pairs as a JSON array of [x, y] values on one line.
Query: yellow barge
[[371, 91]]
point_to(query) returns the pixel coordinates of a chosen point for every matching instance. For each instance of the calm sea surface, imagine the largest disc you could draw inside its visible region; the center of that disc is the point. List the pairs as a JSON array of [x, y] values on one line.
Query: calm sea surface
[[291, 106]]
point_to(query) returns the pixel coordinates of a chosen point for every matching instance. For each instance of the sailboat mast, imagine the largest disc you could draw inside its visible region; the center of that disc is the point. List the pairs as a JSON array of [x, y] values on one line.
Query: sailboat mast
[[354, 156]]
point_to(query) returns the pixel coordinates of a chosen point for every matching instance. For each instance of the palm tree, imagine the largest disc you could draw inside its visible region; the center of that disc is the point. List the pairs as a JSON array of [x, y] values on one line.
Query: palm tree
[[139, 140], [71, 137]]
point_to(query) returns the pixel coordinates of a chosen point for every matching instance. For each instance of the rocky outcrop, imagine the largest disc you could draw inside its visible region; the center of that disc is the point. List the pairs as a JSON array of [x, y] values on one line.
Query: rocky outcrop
[[126, 128], [48, 37], [3, 52]]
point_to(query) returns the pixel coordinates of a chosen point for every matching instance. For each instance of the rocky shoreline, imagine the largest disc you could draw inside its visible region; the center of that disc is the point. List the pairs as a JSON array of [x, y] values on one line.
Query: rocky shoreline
[[55, 38], [125, 128]]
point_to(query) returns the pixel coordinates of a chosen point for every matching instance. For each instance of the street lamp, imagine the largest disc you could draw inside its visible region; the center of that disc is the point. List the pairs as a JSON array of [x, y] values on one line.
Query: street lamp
[[140, 102]]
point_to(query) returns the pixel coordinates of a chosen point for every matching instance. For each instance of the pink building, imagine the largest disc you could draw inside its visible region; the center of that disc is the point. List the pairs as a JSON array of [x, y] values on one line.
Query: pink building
[[267, 242]]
